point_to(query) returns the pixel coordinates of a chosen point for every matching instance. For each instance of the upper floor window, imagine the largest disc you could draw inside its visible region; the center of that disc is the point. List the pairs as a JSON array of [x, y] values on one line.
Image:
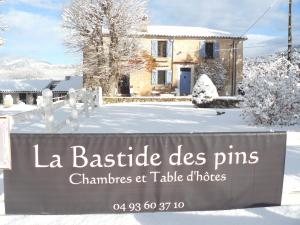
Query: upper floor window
[[209, 50], [162, 48]]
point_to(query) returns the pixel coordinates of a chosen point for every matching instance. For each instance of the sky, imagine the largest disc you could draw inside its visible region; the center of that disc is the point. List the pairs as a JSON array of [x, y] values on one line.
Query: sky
[[34, 26]]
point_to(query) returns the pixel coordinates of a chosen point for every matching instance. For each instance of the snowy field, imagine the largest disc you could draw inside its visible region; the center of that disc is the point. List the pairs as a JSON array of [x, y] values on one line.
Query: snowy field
[[15, 109], [176, 117]]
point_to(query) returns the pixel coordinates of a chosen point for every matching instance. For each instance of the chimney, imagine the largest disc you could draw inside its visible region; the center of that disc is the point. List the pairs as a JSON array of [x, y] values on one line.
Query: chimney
[[144, 27]]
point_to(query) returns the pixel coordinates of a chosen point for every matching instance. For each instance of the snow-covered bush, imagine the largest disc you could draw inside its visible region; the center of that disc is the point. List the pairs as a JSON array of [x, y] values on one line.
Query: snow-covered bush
[[204, 90], [216, 71], [8, 101], [270, 89]]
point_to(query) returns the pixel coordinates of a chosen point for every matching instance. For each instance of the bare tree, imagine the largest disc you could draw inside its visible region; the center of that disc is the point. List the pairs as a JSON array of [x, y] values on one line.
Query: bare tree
[[106, 31]]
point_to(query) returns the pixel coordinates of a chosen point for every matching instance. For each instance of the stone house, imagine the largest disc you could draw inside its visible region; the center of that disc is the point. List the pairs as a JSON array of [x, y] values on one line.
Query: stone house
[[175, 51]]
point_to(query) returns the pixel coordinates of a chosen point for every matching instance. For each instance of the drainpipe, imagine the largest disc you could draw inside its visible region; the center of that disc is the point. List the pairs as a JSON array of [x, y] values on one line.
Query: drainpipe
[[234, 58], [172, 60]]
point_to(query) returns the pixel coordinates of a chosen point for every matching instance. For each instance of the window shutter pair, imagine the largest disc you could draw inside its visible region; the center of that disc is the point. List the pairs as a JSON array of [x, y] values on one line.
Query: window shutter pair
[[169, 77], [154, 48], [216, 49]]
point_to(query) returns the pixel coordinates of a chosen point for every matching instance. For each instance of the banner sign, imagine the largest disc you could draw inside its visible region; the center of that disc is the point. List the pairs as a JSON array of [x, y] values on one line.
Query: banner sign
[[5, 162], [132, 173]]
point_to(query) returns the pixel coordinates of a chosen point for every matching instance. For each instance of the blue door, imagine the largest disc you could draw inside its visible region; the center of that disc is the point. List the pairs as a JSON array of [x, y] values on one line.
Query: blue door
[[185, 81]]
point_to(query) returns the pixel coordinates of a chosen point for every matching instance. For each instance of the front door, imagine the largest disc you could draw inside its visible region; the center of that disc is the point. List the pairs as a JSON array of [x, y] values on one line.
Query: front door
[[185, 81], [124, 85]]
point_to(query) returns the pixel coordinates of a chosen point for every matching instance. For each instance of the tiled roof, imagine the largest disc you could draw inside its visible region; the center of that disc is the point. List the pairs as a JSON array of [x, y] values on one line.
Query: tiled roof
[[75, 82], [192, 32], [10, 86]]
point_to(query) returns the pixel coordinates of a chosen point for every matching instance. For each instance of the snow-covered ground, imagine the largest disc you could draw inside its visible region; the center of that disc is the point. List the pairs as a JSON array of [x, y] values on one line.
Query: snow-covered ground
[[177, 117], [15, 109]]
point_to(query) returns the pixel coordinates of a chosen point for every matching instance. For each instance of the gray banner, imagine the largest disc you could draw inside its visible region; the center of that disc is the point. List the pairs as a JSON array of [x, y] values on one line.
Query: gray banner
[[118, 173]]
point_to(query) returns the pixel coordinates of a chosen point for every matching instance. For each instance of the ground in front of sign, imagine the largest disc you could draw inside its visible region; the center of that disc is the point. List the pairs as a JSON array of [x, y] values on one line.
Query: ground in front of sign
[[177, 117]]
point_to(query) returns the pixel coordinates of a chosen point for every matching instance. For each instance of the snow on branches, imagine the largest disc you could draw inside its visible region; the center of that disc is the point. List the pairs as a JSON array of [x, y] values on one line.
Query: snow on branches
[[104, 30], [271, 94], [216, 71]]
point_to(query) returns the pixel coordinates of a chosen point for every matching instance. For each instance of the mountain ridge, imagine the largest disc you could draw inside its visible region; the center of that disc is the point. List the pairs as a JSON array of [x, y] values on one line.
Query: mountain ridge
[[28, 68]]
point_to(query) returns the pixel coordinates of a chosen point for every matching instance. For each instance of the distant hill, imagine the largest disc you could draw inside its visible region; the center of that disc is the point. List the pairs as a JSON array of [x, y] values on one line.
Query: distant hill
[[26, 68]]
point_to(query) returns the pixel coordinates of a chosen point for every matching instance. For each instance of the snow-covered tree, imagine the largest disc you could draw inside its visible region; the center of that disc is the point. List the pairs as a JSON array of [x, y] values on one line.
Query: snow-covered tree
[[204, 90], [265, 59], [271, 95], [216, 70], [106, 32]]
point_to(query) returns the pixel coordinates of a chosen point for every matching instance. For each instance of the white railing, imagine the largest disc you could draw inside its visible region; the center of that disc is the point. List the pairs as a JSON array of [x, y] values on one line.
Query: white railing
[[77, 101]]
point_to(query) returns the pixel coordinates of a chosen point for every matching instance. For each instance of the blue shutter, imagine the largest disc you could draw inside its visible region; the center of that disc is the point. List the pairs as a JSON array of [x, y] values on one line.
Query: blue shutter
[[154, 78], [169, 48], [217, 50], [202, 49], [169, 77], [154, 48]]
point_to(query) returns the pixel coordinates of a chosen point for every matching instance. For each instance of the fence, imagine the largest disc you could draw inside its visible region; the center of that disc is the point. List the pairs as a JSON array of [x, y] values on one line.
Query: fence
[[78, 102]]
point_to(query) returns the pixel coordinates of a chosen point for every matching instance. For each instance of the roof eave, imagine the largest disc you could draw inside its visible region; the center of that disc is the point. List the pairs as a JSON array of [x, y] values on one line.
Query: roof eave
[[193, 37]]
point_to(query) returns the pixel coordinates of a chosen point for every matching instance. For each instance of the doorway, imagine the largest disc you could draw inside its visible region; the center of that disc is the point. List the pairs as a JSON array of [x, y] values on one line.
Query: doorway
[[185, 81], [124, 85]]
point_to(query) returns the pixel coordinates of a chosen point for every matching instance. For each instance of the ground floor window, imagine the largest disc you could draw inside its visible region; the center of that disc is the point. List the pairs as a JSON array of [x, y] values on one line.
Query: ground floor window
[[161, 77]]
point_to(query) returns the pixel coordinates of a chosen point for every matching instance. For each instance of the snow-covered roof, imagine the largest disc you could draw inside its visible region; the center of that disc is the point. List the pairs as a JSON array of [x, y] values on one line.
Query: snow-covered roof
[[191, 32], [10, 86], [75, 82]]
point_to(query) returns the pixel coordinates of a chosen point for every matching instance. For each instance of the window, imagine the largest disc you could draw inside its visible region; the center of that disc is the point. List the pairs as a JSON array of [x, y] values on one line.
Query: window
[[161, 77], [209, 50], [22, 97], [162, 48], [1, 98]]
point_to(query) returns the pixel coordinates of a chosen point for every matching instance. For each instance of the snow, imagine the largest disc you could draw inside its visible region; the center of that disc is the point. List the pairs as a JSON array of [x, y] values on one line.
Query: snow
[[15, 109], [177, 117], [9, 86], [204, 90], [75, 82], [235, 98], [185, 31]]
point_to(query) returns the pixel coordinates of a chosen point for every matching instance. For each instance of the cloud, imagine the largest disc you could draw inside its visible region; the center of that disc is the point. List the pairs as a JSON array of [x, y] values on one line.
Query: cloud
[[34, 35], [45, 4], [260, 45], [30, 22], [235, 16]]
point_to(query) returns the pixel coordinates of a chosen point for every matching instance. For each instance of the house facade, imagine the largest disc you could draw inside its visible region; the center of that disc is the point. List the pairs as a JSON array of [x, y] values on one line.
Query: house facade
[[176, 51]]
